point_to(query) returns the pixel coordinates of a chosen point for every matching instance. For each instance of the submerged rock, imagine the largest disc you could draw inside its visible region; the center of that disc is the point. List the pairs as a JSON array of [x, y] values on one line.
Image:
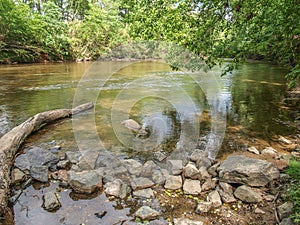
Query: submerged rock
[[146, 213], [50, 202], [134, 126], [244, 170]]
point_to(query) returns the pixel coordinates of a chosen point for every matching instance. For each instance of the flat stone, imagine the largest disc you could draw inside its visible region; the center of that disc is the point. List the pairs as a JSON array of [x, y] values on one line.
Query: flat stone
[[270, 152], [133, 166], [209, 184], [244, 170], [213, 169], [173, 182], [285, 210], [254, 150], [247, 194], [204, 207], [144, 193], [226, 192], [185, 221], [175, 166], [191, 171], [85, 182], [17, 175], [141, 183], [192, 187], [117, 188], [146, 213], [50, 202], [39, 173], [214, 198]]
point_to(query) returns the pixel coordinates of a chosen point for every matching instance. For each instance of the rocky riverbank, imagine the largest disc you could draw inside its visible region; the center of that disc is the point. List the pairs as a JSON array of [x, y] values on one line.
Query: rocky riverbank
[[238, 190]]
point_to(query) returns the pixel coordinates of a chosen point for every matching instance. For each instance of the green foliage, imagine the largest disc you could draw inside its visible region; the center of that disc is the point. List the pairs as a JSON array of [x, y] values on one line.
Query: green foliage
[[294, 188]]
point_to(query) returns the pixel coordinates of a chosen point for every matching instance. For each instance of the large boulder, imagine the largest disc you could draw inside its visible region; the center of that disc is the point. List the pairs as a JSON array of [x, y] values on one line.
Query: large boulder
[[249, 171]]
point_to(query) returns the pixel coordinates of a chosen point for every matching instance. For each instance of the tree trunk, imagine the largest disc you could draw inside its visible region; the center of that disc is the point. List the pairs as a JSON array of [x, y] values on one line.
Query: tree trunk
[[10, 143]]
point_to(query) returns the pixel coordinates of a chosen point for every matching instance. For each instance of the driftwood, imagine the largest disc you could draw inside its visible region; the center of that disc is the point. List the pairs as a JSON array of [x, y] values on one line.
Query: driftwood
[[10, 143]]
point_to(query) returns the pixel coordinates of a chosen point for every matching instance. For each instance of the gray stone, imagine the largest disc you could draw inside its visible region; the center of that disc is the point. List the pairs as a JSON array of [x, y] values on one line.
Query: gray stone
[[270, 152], [203, 174], [213, 169], [285, 210], [198, 155], [191, 171], [254, 150], [214, 198], [17, 175], [146, 213], [226, 192], [287, 221], [204, 207], [107, 160], [158, 177], [148, 168], [204, 162], [39, 173], [117, 188], [192, 187], [85, 182], [133, 166], [144, 193], [209, 184], [175, 166], [63, 164], [259, 211], [160, 156], [50, 202], [244, 170], [141, 183], [173, 182], [73, 156], [185, 221], [87, 161], [247, 194], [35, 157], [120, 172]]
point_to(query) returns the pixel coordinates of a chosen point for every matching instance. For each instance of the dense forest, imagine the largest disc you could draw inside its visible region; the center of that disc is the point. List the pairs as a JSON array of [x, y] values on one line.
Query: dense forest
[[61, 30]]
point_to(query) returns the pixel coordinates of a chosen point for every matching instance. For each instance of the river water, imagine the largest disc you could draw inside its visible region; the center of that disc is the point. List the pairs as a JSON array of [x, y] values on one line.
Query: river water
[[177, 108]]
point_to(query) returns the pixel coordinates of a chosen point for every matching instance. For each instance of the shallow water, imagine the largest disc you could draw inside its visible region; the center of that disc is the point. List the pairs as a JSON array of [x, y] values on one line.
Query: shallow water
[[177, 108]]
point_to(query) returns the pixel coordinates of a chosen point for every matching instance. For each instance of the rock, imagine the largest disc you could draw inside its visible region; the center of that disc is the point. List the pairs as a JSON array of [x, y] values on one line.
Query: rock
[[117, 188], [204, 207], [247, 194], [185, 221], [280, 164], [244, 170], [159, 222], [144, 193], [148, 168], [285, 210], [192, 187], [175, 166], [73, 156], [204, 162], [35, 157], [141, 183], [85, 182], [214, 198], [50, 202], [119, 172], [133, 166], [253, 150], [213, 169], [259, 211], [191, 171], [87, 161], [55, 149], [158, 177], [134, 126], [270, 152], [63, 164], [287, 221], [284, 140], [226, 192], [198, 155], [40, 173], [146, 213], [173, 182], [17, 176], [106, 160], [160, 156], [203, 174], [209, 184]]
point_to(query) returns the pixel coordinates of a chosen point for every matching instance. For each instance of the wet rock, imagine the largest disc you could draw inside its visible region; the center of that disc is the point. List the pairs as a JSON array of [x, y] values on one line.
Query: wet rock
[[198, 154], [133, 166], [85, 182], [35, 157], [146, 213], [204, 207], [191, 171], [158, 177], [209, 184], [213, 169], [117, 188], [185, 221], [287, 221], [244, 170], [144, 193], [285, 210], [17, 176], [247, 194], [141, 183], [284, 140], [214, 198], [50, 202], [39, 173], [87, 161], [253, 150], [73, 156], [63, 164], [173, 182], [226, 192], [192, 187], [269, 152], [175, 166]]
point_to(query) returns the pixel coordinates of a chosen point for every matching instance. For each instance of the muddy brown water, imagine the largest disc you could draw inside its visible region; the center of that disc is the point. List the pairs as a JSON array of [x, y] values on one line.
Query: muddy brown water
[[251, 97]]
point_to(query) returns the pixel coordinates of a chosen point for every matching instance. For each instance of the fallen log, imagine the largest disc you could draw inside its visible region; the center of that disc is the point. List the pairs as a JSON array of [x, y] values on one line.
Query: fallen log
[[10, 143]]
